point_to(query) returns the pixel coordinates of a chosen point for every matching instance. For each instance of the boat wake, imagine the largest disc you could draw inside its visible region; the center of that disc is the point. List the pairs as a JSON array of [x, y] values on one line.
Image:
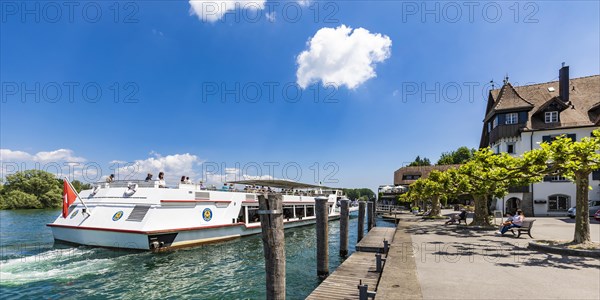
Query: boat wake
[[54, 264]]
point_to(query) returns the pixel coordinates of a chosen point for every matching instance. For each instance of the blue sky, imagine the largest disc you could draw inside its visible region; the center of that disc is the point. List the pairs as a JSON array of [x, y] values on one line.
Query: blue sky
[[173, 69]]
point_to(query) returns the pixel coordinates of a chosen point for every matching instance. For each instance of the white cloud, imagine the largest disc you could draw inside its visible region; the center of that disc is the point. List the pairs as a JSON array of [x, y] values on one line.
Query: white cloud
[[174, 166], [212, 11], [342, 56], [271, 17], [14, 156], [157, 32], [60, 155], [304, 2], [61, 162], [57, 155]]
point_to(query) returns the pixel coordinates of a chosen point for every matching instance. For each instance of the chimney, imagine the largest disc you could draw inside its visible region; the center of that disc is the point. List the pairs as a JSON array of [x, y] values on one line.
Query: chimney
[[563, 83]]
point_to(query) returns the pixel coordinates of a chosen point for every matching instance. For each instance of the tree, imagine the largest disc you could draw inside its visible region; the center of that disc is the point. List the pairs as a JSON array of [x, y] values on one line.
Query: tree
[[577, 160], [78, 185], [459, 156], [489, 175], [31, 189], [362, 193], [420, 162], [434, 188]]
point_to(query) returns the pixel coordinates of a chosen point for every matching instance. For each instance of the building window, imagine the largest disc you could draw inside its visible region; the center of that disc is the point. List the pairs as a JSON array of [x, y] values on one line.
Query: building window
[[551, 117], [559, 202], [489, 126], [510, 148], [512, 118], [551, 138], [495, 122], [558, 178], [555, 178], [410, 177], [596, 175]]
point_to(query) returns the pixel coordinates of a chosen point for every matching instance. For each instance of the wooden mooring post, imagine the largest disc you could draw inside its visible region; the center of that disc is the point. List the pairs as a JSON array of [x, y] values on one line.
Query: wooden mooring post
[[322, 213], [361, 220], [374, 210], [370, 216], [270, 210], [344, 219]]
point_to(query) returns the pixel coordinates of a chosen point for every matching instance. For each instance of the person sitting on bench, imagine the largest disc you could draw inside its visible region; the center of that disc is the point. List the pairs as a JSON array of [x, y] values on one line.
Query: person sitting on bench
[[457, 217], [516, 221]]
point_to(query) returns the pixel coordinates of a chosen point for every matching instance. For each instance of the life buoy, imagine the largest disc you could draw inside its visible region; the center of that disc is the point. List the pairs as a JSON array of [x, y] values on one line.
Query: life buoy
[[131, 189], [95, 190]]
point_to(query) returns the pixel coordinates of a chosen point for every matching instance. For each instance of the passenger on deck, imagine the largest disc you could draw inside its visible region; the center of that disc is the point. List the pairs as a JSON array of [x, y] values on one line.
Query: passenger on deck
[[187, 180], [183, 179], [161, 180], [148, 177], [110, 178], [225, 188]]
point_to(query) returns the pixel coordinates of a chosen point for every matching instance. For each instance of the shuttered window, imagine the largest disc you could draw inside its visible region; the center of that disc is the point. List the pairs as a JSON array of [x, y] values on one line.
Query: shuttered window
[[551, 117]]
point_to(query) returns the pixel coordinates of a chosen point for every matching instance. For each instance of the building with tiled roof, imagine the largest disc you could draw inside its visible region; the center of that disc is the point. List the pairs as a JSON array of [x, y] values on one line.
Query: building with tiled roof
[[518, 118], [405, 176]]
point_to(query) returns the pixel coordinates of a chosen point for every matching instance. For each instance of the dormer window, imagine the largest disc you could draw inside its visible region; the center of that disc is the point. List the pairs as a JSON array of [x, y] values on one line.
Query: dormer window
[[512, 118], [551, 117]]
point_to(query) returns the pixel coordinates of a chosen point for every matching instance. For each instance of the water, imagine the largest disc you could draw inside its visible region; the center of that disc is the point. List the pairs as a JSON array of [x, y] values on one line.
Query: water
[[31, 266]]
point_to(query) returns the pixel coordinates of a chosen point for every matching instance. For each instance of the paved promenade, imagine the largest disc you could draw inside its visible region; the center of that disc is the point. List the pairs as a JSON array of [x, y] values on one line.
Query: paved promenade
[[431, 261]]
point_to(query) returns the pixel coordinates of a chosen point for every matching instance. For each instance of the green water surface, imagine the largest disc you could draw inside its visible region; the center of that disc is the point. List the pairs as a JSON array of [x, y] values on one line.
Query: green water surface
[[33, 267]]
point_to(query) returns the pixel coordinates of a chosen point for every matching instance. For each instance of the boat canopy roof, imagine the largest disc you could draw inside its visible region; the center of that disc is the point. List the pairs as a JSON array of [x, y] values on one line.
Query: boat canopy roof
[[280, 183]]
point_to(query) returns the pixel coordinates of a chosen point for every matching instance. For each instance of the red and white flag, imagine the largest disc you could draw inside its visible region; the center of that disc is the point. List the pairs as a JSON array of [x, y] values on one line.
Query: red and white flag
[[69, 196]]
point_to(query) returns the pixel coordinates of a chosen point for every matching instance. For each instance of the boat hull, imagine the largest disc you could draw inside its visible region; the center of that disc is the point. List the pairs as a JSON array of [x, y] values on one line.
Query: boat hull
[[166, 239]]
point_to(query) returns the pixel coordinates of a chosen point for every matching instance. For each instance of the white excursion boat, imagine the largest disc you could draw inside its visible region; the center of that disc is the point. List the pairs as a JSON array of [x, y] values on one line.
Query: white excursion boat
[[141, 215]]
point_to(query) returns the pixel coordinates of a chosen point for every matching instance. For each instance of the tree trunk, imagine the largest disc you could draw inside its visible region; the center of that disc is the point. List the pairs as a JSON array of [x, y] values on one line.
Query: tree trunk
[[481, 211], [435, 206], [582, 219]]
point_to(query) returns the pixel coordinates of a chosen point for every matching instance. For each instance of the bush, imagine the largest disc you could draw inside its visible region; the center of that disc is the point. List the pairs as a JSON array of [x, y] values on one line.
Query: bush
[[18, 200], [31, 189]]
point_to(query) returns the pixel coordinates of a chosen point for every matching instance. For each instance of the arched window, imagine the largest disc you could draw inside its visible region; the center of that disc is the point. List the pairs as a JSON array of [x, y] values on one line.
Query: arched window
[[559, 203]]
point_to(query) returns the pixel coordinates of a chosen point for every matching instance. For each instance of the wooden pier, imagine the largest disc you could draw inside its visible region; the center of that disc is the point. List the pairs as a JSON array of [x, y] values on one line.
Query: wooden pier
[[373, 242], [343, 283], [360, 266]]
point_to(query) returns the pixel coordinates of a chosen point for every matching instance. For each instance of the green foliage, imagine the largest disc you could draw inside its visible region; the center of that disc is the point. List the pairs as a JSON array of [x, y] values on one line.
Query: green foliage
[[490, 175], [420, 162], [361, 194], [79, 186], [16, 199], [570, 158], [459, 156], [31, 189], [577, 160]]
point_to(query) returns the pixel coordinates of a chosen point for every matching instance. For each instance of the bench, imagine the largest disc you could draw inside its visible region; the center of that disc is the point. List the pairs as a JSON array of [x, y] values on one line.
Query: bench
[[463, 220], [526, 227]]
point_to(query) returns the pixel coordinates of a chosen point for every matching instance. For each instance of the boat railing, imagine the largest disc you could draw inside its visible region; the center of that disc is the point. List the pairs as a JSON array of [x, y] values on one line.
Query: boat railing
[[127, 183]]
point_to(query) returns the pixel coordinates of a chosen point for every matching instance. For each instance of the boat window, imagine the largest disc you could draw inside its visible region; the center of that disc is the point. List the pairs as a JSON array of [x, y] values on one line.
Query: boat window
[[299, 211], [288, 212], [253, 215], [310, 210], [242, 216]]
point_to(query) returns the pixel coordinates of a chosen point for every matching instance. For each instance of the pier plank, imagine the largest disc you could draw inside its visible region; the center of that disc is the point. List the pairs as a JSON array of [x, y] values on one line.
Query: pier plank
[[343, 283], [373, 241]]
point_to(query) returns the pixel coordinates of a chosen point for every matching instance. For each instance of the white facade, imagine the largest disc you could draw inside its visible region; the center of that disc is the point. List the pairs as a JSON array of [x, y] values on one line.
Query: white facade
[[544, 194]]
